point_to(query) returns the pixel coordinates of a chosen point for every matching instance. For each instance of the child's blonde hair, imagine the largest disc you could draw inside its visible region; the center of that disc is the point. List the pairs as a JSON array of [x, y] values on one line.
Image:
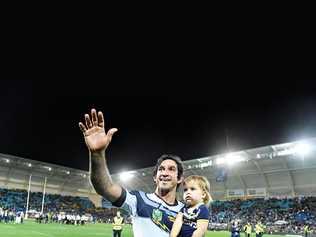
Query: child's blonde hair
[[203, 184]]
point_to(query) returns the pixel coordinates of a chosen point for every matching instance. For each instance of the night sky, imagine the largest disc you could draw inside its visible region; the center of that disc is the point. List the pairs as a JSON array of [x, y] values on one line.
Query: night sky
[[40, 120]]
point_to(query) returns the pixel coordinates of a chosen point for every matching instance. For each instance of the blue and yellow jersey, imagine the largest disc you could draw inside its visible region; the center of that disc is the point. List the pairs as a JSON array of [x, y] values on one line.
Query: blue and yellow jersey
[[151, 216], [191, 217]]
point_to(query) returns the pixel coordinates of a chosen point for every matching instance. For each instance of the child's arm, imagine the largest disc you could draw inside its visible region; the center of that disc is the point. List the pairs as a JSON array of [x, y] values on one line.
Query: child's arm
[[201, 228], [176, 227]]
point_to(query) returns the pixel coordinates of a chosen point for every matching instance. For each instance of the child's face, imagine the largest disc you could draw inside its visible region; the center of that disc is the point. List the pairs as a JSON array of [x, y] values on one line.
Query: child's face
[[193, 194]]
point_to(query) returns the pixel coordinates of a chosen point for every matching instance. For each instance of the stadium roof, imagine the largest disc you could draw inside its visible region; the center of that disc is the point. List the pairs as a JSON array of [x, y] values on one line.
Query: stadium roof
[[17, 170], [278, 170]]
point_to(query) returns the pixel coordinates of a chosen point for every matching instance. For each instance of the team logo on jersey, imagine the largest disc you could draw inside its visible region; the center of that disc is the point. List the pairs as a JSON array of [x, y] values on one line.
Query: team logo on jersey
[[191, 214], [157, 218], [156, 215]]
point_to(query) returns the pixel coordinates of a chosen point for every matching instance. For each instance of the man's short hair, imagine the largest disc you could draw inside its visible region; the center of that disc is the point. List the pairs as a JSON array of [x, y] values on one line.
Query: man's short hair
[[176, 159]]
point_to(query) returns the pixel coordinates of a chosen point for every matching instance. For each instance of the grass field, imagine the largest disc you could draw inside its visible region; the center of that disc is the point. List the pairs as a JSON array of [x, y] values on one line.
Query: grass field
[[32, 229]]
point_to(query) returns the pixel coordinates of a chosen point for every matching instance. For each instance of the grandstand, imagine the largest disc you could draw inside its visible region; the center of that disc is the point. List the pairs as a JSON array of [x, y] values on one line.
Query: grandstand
[[276, 170], [241, 180], [283, 170], [15, 173]]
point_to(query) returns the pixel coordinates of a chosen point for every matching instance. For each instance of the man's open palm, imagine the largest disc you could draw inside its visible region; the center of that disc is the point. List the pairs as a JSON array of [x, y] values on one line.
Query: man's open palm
[[93, 130]]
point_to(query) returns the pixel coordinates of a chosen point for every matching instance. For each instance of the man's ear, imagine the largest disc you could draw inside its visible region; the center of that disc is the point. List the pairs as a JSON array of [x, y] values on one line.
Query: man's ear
[[155, 179], [180, 180]]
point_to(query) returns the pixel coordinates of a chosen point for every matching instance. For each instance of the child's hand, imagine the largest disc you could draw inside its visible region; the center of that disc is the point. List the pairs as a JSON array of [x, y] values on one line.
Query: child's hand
[[177, 224], [179, 219]]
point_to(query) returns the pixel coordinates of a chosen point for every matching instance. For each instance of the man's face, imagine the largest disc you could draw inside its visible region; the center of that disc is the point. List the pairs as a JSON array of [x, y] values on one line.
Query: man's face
[[166, 177], [118, 214]]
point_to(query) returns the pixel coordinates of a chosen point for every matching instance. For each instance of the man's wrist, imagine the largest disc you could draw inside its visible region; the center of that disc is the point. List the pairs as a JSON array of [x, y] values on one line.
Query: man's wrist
[[100, 153]]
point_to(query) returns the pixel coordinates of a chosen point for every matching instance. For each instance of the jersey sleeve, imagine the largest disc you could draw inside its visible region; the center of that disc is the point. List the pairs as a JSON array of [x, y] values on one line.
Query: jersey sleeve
[[203, 214], [127, 201]]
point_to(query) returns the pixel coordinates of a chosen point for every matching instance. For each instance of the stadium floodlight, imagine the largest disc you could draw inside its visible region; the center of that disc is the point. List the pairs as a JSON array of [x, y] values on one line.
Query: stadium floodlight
[[7, 160], [233, 159], [68, 172], [220, 161], [29, 165], [302, 149], [125, 176], [49, 169], [84, 175], [229, 159]]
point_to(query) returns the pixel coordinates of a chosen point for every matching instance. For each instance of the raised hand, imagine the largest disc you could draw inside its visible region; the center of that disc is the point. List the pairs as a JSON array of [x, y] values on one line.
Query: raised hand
[[94, 133]]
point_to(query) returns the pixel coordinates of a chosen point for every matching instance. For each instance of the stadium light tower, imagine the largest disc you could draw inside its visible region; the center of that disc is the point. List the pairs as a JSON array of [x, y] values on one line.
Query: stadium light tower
[[125, 176]]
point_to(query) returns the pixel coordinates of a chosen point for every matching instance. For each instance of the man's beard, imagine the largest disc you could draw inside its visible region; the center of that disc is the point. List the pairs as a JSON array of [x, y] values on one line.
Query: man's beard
[[165, 190]]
